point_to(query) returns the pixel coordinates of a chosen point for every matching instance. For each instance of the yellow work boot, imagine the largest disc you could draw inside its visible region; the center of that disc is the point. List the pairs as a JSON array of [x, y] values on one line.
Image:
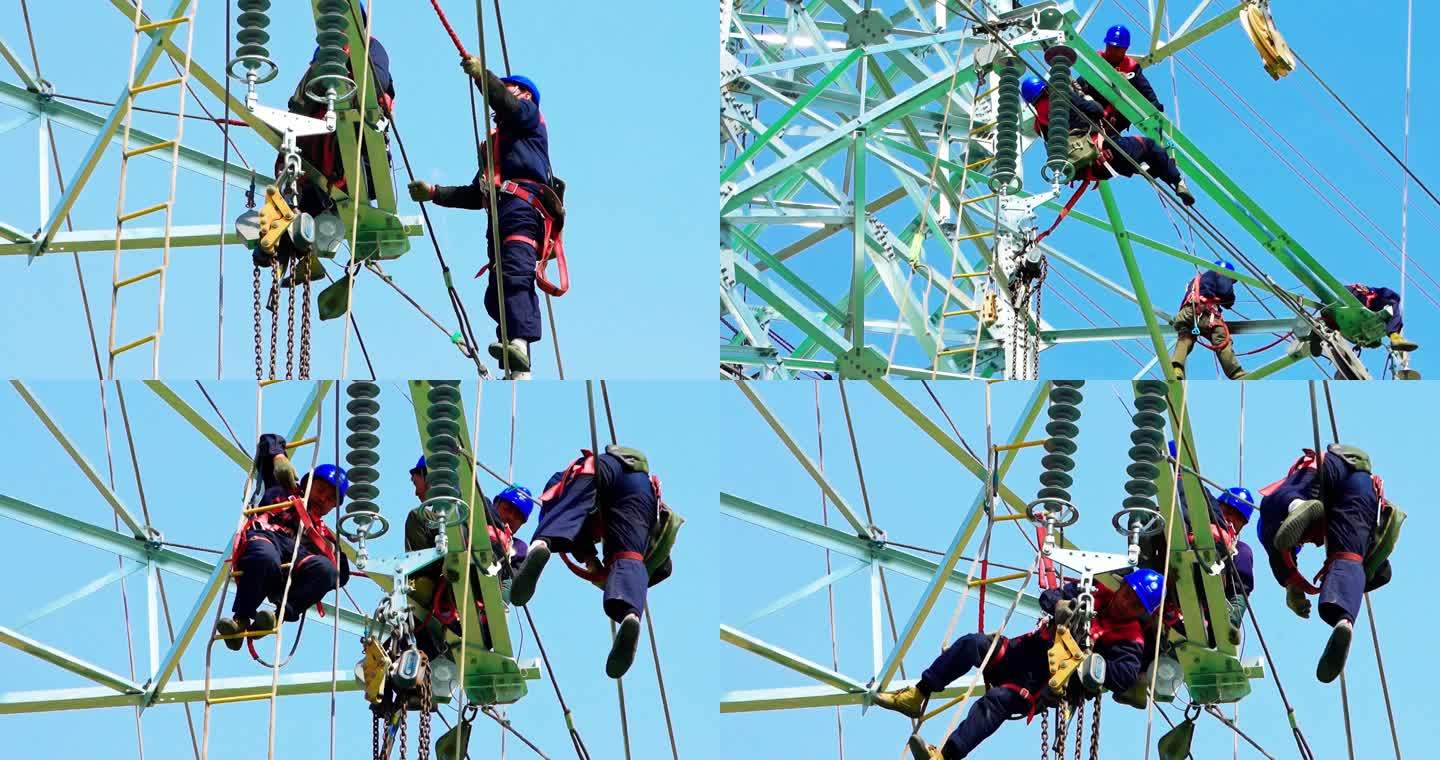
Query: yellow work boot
[[922, 750], [908, 701], [1399, 342]]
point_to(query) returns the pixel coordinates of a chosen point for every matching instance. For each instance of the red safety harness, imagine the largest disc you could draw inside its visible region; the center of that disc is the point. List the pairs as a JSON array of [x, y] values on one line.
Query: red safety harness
[[1316, 534], [594, 528], [1206, 306], [551, 245], [442, 605], [273, 521]]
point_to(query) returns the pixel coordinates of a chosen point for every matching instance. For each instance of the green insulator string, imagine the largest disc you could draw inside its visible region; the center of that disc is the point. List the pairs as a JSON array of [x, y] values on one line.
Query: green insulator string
[[1064, 412], [362, 520], [1007, 128], [330, 73], [1057, 167], [442, 453], [1148, 450], [251, 55]]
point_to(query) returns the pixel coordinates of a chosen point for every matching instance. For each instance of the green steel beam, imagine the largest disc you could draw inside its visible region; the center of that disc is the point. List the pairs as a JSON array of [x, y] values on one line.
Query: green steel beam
[[855, 327], [111, 498], [144, 238], [124, 571], [816, 474], [1137, 281], [291, 684], [1160, 52], [735, 637], [757, 700], [135, 549], [823, 582], [143, 66], [115, 682], [865, 550], [959, 542], [66, 115], [197, 420]]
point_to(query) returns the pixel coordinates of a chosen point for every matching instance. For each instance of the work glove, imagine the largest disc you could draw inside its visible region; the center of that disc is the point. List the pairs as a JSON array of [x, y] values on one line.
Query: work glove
[[1296, 600], [285, 473], [421, 190], [1064, 610], [474, 67], [1048, 698]]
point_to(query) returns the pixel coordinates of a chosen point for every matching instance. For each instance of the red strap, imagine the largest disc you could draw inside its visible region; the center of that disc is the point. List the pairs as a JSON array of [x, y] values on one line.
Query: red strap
[[1064, 212], [522, 239], [552, 249]]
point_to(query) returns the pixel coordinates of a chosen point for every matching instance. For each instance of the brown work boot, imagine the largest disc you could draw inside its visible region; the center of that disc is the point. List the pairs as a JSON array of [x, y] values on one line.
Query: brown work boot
[[1337, 649], [909, 701], [263, 625], [1294, 526], [229, 630]]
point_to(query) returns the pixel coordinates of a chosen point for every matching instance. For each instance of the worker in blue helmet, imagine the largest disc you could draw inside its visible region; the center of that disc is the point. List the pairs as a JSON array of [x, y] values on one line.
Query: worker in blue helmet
[[1201, 314], [1018, 671], [1332, 500], [266, 554], [611, 499], [1117, 45], [1113, 154], [1387, 303], [528, 204]]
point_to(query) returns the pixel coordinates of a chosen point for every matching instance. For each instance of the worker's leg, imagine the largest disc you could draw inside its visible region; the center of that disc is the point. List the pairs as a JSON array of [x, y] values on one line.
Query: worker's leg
[[1145, 151], [987, 715], [629, 516], [1351, 507], [562, 523], [1184, 340], [520, 235], [258, 566], [312, 577], [964, 654], [1219, 335]]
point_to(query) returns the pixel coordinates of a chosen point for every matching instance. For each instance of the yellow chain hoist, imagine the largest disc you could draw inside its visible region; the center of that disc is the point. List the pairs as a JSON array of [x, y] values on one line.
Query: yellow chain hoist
[[1265, 36]]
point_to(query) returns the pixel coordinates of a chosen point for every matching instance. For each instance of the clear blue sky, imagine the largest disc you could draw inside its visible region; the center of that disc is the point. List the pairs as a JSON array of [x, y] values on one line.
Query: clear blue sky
[[193, 493], [920, 495], [627, 124], [1365, 67]]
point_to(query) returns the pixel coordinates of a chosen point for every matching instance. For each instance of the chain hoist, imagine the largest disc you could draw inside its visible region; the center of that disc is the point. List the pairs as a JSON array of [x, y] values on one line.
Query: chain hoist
[[1079, 732], [1095, 731], [305, 331], [259, 341], [273, 306], [290, 328], [1044, 734], [1061, 726]]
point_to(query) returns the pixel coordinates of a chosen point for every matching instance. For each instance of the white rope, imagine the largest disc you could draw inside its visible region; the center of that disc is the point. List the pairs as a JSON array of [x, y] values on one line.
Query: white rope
[[1165, 572], [357, 188], [829, 588]]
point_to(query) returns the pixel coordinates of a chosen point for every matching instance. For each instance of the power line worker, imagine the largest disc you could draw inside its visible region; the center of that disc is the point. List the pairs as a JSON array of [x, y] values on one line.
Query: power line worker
[[509, 510], [1117, 43], [1331, 500], [519, 151], [611, 498], [1097, 162], [1385, 301], [1206, 296], [1018, 672], [266, 544]]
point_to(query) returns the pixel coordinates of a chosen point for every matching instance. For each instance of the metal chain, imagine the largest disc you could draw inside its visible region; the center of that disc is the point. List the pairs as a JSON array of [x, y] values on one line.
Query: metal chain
[[1044, 735], [305, 330], [273, 306], [1079, 731], [259, 342], [425, 708], [1095, 731], [1060, 728], [1039, 287], [404, 726], [290, 325], [375, 736]]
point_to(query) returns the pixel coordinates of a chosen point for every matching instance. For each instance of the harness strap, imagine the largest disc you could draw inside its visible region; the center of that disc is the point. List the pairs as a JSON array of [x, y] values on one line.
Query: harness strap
[[1065, 211], [553, 247]]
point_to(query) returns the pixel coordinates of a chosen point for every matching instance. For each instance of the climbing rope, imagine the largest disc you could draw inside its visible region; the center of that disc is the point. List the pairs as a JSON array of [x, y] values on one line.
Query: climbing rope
[[829, 588], [1152, 389], [330, 71]]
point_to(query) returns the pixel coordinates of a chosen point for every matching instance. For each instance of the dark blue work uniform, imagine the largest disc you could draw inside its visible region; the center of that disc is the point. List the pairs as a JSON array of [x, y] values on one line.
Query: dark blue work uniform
[[1019, 670], [520, 146], [1376, 299], [269, 542], [1219, 287], [1086, 115], [625, 504], [1352, 510]]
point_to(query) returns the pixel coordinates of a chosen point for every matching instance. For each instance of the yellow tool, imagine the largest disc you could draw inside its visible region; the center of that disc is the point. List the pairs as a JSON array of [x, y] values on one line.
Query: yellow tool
[[1064, 656], [375, 668], [989, 311], [276, 216], [1260, 28]]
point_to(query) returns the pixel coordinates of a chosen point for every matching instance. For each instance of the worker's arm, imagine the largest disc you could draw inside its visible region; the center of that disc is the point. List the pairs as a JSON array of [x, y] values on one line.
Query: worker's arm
[[474, 196], [272, 465], [1122, 664], [1085, 114], [1143, 86], [344, 569]]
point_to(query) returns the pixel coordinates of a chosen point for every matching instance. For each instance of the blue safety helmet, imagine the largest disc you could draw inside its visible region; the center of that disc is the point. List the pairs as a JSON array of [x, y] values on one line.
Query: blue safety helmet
[[1174, 452], [419, 465], [1031, 87], [527, 84], [1149, 587], [1224, 264], [1239, 499], [335, 476], [1118, 36], [520, 498]]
